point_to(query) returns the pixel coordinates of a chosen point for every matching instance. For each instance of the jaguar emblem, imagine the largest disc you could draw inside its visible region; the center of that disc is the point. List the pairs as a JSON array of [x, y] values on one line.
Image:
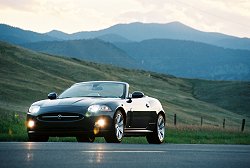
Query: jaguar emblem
[[59, 117]]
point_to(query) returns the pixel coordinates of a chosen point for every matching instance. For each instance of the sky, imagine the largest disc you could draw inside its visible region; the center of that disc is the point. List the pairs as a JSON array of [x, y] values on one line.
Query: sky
[[226, 16]]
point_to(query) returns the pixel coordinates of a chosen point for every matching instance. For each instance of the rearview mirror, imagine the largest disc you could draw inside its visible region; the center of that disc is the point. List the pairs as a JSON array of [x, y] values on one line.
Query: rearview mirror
[[52, 95], [137, 94]]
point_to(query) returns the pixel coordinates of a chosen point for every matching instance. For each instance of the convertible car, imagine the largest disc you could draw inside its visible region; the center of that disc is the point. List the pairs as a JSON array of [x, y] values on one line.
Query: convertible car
[[97, 109]]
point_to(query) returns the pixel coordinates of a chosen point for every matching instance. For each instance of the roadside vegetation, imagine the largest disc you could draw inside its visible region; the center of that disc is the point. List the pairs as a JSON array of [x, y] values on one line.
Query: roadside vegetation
[[28, 76], [179, 135]]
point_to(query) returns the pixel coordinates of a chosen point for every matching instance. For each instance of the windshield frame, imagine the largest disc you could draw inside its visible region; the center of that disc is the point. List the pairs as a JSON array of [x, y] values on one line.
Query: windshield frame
[[124, 94]]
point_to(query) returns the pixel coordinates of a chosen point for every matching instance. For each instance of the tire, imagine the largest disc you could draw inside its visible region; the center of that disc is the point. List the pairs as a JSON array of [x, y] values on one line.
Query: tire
[[89, 138], [37, 138], [117, 132], [157, 137]]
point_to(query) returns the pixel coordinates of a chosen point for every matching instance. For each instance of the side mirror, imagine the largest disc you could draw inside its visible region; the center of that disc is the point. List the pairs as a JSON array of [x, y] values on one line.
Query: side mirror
[[137, 94], [129, 98], [52, 95]]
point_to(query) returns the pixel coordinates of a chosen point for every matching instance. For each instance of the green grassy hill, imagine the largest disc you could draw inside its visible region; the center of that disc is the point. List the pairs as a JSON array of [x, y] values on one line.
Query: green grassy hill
[[28, 76], [93, 50]]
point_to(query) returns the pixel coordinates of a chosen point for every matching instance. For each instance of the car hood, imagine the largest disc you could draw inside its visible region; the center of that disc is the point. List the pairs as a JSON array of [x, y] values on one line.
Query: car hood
[[79, 101]]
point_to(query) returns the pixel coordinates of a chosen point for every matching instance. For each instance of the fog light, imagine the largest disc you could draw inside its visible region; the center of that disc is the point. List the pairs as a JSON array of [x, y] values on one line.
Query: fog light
[[100, 123], [96, 130], [31, 124]]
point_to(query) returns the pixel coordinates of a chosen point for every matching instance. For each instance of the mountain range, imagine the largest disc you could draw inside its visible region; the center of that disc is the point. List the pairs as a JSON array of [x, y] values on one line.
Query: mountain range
[[143, 31], [190, 59], [176, 57], [129, 32], [171, 48], [16, 35]]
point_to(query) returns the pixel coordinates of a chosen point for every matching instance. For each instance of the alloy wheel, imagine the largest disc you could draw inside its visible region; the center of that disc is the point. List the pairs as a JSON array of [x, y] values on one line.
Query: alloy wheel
[[161, 128], [119, 126]]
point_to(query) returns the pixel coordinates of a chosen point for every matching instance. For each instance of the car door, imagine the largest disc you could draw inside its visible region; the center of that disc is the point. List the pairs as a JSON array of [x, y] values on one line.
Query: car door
[[139, 113]]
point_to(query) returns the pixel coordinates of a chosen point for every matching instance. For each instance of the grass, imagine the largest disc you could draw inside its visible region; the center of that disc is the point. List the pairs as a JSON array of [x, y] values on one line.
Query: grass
[[28, 76], [206, 135], [224, 94], [178, 135]]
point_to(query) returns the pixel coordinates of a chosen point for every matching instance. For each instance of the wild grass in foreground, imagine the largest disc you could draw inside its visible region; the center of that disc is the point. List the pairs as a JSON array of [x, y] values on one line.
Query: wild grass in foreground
[[206, 135], [178, 135]]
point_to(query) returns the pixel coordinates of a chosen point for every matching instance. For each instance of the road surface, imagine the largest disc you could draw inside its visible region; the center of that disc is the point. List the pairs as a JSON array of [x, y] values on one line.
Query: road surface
[[72, 154]]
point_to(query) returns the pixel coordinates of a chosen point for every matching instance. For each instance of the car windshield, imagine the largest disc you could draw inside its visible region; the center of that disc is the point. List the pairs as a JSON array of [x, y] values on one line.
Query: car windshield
[[95, 89]]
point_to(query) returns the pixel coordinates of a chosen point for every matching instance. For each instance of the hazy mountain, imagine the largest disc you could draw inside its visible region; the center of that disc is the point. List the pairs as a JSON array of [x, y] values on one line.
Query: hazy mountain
[[113, 38], [94, 50], [128, 32], [105, 37], [234, 43], [175, 30], [177, 57], [59, 35], [16, 35], [190, 59]]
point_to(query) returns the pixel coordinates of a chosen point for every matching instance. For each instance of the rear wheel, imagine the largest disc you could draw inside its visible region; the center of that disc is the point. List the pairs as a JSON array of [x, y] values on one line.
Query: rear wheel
[[88, 138], [117, 132], [37, 138], [157, 137]]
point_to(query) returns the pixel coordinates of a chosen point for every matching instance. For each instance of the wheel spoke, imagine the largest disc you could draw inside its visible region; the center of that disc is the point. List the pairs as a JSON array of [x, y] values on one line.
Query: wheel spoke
[[121, 130], [120, 133], [118, 118], [159, 135], [162, 126], [161, 122], [120, 123], [117, 133]]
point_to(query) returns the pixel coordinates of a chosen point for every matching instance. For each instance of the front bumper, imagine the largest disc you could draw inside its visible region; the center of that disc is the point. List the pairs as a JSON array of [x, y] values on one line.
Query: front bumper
[[60, 127]]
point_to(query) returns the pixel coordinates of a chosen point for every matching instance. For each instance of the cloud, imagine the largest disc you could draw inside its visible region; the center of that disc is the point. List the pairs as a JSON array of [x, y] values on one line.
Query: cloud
[[223, 16], [208, 15], [17, 4], [229, 16]]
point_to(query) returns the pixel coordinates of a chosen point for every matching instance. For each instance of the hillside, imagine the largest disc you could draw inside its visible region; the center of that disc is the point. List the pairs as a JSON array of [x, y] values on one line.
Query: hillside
[[190, 59], [176, 57], [224, 94], [27, 76], [175, 30], [16, 35], [93, 50]]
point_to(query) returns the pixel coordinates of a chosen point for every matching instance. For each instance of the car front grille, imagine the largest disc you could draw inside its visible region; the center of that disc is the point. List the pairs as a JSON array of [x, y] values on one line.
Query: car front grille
[[60, 117]]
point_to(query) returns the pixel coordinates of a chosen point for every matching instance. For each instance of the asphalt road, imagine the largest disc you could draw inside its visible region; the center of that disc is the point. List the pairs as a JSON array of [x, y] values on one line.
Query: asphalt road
[[54, 154]]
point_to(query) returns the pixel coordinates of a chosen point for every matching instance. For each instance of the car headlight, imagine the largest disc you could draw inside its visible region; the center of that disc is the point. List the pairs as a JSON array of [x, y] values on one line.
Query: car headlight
[[34, 109], [97, 108]]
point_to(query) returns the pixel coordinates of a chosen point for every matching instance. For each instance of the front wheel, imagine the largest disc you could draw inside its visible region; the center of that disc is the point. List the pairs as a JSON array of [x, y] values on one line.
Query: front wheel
[[117, 132], [157, 137]]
